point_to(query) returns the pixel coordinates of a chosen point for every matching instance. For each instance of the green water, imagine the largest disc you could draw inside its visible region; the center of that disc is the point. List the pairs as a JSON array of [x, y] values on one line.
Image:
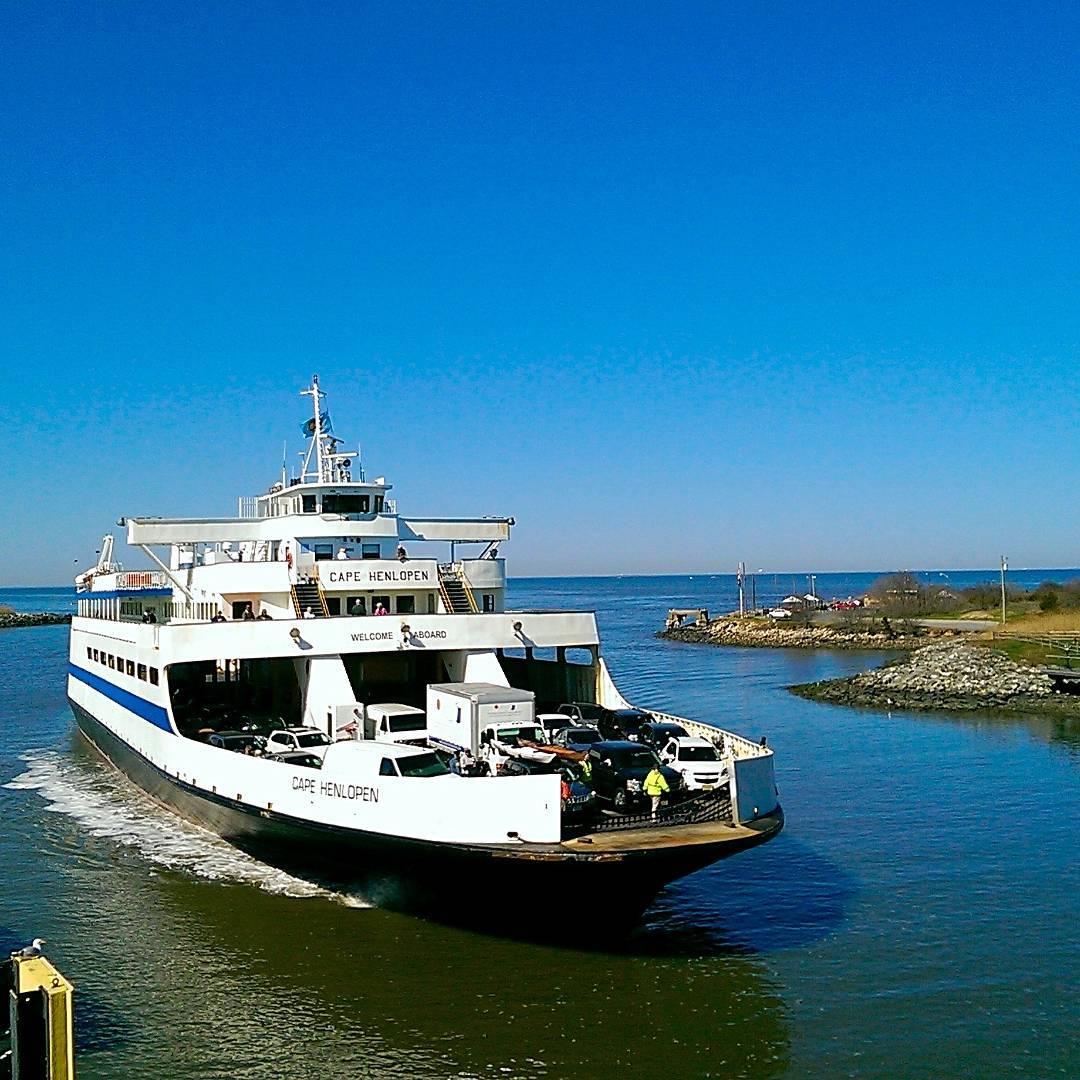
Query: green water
[[918, 917]]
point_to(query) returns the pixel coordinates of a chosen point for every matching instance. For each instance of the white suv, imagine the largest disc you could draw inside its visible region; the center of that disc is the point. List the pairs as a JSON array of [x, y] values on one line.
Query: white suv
[[309, 739], [697, 760]]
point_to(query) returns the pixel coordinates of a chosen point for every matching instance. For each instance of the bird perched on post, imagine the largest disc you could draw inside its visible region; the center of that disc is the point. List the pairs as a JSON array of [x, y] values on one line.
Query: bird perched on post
[[28, 952]]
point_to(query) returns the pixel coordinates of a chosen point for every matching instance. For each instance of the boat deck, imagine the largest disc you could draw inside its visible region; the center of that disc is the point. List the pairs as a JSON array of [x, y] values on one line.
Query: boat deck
[[709, 832]]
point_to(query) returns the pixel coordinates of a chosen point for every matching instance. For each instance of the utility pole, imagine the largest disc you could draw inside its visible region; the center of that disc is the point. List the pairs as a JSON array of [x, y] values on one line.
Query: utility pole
[[1004, 567]]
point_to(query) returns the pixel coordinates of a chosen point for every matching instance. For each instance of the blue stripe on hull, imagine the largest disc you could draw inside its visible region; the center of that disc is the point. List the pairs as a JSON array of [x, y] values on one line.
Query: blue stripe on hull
[[155, 714]]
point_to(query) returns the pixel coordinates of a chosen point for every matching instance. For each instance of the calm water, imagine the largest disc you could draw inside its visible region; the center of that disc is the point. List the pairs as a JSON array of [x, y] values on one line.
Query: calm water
[[918, 917]]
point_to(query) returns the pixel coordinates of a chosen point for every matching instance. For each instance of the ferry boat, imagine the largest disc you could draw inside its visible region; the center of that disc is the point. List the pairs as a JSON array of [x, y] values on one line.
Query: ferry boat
[[319, 607]]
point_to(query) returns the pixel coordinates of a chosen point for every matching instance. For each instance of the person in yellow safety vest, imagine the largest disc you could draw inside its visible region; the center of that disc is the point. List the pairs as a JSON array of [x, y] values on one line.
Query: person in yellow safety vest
[[586, 771], [655, 786]]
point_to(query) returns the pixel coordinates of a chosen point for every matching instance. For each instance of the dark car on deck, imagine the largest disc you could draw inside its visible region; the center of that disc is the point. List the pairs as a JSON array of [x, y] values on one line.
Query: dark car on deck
[[623, 723], [619, 768], [297, 757], [580, 806], [613, 723], [657, 733], [585, 713], [241, 742], [578, 738]]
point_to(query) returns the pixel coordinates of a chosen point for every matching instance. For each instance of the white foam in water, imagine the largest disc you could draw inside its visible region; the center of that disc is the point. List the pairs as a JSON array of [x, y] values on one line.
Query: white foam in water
[[105, 805]]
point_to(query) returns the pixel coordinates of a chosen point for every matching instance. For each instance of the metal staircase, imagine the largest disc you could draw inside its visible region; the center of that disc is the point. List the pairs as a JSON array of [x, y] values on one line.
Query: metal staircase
[[457, 597], [308, 595]]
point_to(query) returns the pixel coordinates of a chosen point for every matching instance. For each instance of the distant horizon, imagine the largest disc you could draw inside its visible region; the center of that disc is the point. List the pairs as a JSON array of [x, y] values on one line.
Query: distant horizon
[[994, 571]]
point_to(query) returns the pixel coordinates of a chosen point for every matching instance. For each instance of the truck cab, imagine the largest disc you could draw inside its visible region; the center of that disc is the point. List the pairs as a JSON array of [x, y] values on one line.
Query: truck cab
[[505, 741], [392, 722]]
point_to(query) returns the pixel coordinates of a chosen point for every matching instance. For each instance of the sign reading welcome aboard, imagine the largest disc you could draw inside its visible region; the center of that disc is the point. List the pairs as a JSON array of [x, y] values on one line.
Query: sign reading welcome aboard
[[422, 574]]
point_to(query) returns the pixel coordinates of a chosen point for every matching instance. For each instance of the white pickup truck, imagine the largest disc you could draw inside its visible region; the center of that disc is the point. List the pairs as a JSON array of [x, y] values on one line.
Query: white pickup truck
[[392, 722], [697, 760], [499, 744]]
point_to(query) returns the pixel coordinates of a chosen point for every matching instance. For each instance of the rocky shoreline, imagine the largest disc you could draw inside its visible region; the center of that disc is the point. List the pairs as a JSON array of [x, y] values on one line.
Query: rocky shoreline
[[10, 620], [746, 633], [947, 677]]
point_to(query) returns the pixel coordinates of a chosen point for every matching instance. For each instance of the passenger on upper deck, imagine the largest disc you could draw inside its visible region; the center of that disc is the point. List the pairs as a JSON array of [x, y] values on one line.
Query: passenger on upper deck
[[402, 554], [342, 554], [380, 610], [264, 615], [359, 606], [218, 617]]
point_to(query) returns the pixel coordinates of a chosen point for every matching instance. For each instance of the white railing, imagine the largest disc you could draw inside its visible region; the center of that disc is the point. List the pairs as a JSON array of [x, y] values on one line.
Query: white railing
[[142, 579], [249, 506]]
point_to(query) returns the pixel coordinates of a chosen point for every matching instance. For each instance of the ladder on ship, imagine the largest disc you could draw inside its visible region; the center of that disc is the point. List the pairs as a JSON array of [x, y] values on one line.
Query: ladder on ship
[[457, 597], [309, 595]]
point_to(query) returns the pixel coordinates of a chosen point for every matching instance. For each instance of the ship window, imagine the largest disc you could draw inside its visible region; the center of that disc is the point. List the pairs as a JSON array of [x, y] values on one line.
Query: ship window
[[154, 676], [432, 604], [387, 768], [324, 552], [308, 503], [345, 504], [370, 551], [406, 605], [131, 667], [377, 600], [489, 601], [88, 656], [142, 672], [333, 605], [112, 661], [378, 504], [581, 656]]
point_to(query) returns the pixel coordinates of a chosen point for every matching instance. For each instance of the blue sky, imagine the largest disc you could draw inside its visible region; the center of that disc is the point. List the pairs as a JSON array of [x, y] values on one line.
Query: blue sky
[[674, 284]]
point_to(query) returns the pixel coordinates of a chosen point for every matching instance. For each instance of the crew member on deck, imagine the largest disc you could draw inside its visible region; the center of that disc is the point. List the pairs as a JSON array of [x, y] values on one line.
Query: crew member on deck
[[655, 786]]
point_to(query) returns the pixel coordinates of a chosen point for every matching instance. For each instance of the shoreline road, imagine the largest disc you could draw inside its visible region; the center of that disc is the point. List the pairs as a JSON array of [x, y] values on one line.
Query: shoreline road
[[958, 624]]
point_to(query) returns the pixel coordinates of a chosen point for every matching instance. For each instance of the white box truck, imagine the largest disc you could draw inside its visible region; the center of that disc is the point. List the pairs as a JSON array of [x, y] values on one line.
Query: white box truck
[[457, 713]]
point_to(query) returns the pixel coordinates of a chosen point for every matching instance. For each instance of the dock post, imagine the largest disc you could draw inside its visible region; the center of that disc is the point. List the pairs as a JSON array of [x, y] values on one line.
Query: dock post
[[39, 1021]]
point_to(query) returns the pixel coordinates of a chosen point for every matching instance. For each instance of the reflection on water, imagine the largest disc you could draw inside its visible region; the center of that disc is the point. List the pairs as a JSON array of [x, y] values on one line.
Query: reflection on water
[[879, 935]]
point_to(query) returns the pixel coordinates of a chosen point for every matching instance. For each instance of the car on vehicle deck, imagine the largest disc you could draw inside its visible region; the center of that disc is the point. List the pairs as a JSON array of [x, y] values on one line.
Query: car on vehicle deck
[[623, 723], [310, 739], [579, 801], [297, 757], [619, 768], [578, 738], [657, 733], [553, 723], [697, 761], [240, 742]]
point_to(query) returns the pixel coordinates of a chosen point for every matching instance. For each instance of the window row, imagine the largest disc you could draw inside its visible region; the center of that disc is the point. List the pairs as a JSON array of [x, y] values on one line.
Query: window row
[[128, 667]]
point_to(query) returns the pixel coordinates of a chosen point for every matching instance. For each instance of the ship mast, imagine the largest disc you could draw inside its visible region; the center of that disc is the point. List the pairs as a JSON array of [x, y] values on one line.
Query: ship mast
[[330, 465]]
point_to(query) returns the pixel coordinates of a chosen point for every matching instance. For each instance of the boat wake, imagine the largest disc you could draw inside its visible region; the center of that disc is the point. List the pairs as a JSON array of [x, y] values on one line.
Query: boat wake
[[104, 805]]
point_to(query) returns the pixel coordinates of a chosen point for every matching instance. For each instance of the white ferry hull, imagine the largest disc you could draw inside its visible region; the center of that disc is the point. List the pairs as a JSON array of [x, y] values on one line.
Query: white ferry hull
[[486, 885]]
